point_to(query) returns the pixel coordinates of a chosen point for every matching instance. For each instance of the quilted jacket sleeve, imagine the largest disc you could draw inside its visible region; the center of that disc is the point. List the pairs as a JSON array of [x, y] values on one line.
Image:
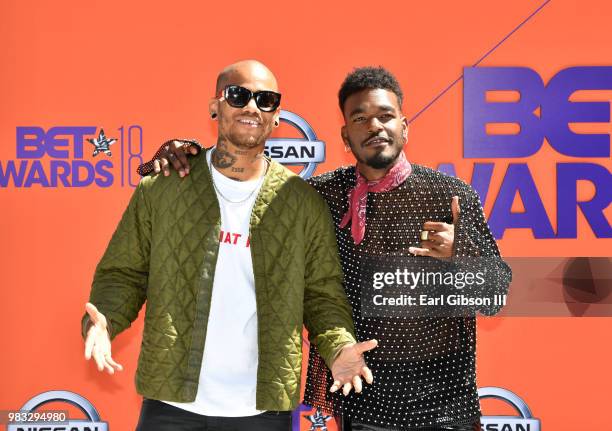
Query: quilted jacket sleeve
[[120, 280], [327, 313]]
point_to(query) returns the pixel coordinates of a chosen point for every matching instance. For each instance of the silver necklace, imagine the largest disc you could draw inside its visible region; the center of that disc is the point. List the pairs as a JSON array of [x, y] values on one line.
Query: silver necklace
[[212, 177]]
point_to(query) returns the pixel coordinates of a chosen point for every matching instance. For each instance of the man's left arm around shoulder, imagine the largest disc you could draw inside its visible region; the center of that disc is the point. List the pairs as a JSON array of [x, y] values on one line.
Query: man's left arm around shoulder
[[327, 313]]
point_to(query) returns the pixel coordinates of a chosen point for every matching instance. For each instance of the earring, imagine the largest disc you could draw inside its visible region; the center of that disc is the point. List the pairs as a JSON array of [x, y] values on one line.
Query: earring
[[276, 123], [213, 115]]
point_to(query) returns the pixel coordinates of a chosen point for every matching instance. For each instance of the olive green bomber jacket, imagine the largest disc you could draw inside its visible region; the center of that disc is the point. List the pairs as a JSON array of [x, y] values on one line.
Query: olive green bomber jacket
[[164, 252]]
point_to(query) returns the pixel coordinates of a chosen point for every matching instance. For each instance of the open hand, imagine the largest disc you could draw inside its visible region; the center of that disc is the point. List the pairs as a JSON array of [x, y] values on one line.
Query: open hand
[[97, 341], [349, 367]]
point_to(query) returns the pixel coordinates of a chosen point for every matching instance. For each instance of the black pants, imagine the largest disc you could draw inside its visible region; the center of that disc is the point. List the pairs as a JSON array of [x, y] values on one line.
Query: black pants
[[347, 425], [362, 427], [159, 416]]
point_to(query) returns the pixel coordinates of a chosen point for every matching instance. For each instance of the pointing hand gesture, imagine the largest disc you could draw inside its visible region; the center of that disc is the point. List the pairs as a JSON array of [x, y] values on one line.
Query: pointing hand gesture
[[438, 238]]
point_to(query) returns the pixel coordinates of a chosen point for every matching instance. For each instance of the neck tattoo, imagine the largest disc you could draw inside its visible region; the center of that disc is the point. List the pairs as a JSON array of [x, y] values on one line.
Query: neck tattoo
[[225, 198]]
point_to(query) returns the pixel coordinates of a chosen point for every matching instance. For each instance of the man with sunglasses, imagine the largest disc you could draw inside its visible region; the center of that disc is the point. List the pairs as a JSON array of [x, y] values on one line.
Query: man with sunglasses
[[232, 261], [387, 208]]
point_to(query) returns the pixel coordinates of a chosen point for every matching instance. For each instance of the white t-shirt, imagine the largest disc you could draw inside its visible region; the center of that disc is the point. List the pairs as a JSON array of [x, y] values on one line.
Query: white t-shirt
[[228, 377]]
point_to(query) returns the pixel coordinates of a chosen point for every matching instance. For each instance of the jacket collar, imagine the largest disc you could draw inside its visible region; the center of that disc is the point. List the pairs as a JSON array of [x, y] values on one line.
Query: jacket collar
[[274, 177]]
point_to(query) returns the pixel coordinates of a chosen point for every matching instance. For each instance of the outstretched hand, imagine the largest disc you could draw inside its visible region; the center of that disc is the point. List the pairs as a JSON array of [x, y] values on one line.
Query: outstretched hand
[[349, 367], [98, 343]]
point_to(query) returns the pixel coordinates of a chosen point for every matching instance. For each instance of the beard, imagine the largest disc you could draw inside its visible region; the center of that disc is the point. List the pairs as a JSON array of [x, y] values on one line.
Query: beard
[[241, 137], [380, 160], [246, 141]]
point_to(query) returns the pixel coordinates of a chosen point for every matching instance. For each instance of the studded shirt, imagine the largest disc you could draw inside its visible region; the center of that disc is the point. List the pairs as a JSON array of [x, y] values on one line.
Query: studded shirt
[[424, 367]]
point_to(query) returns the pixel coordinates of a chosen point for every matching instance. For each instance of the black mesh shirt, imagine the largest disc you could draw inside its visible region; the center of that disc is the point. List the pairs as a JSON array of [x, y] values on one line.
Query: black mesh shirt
[[424, 367]]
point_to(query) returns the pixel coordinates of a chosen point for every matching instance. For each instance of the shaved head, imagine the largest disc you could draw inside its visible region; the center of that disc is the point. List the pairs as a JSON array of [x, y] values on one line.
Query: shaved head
[[245, 127], [245, 71]]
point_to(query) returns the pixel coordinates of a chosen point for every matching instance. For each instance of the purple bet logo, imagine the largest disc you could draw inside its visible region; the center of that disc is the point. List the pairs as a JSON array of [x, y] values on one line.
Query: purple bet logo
[[541, 112], [65, 156], [556, 112]]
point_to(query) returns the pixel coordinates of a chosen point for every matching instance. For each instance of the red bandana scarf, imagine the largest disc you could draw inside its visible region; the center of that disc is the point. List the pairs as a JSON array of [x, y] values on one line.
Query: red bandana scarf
[[358, 196]]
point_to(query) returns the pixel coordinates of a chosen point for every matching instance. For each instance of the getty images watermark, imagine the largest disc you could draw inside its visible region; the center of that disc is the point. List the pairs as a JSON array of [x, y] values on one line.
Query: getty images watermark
[[402, 286], [427, 282], [394, 286]]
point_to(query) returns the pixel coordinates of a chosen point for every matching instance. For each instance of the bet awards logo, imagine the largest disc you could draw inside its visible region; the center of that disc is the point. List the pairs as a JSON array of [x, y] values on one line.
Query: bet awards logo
[[307, 151], [524, 422], [102, 144], [508, 114], [318, 420], [29, 419], [60, 157]]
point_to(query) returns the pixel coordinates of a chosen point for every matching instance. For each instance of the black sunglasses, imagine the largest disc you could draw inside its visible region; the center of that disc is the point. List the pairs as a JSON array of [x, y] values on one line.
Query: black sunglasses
[[239, 97]]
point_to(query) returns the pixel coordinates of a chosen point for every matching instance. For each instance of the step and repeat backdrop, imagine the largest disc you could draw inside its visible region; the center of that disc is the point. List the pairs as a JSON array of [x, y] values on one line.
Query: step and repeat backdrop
[[511, 96]]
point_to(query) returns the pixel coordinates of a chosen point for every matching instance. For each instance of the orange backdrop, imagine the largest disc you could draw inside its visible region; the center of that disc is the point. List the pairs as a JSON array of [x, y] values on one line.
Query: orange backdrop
[[111, 64]]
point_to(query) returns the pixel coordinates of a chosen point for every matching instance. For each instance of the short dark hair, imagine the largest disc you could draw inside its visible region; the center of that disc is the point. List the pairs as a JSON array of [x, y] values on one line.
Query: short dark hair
[[369, 77]]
